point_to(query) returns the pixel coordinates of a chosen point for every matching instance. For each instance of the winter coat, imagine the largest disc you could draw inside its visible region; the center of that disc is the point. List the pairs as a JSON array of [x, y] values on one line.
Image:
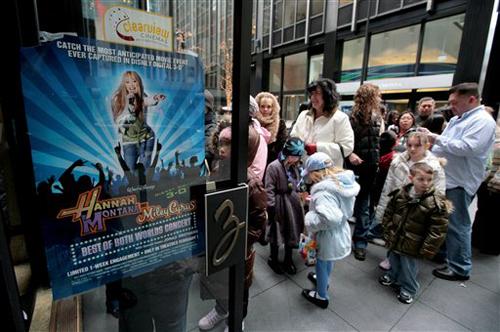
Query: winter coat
[[416, 226], [257, 217], [283, 205], [399, 173], [332, 203], [260, 161], [328, 133], [366, 139]]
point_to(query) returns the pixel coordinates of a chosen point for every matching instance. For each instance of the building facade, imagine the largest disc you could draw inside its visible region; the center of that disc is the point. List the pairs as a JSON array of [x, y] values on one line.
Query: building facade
[[410, 48]]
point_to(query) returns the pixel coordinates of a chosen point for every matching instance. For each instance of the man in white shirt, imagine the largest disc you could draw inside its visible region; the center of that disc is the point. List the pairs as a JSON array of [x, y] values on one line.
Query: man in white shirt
[[466, 143]]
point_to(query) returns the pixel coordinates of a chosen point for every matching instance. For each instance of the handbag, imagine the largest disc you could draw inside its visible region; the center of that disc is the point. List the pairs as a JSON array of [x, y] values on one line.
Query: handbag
[[346, 163], [308, 249]]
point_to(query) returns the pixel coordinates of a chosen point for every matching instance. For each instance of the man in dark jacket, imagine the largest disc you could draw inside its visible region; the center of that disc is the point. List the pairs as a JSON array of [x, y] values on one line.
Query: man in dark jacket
[[415, 224], [427, 118]]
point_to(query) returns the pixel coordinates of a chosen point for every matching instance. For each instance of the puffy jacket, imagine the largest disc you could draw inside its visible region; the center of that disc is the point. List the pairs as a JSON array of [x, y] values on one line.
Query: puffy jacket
[[416, 226], [398, 176], [332, 203]]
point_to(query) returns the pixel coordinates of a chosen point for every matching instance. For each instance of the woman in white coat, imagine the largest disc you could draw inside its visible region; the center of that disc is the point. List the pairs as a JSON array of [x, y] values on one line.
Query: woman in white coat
[[324, 128]]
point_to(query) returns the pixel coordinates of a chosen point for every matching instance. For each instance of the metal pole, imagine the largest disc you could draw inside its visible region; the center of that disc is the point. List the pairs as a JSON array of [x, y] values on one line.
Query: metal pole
[[242, 23], [366, 53]]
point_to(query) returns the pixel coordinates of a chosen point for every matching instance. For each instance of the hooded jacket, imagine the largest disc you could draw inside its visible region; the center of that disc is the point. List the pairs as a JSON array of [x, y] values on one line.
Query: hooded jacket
[[332, 203], [398, 176], [416, 226]]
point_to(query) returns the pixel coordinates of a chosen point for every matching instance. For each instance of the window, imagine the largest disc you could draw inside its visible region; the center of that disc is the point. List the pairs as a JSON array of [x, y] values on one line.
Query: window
[[275, 75], [265, 21], [393, 53], [317, 7], [295, 72], [301, 10], [441, 45], [343, 3], [388, 5], [352, 60], [290, 107], [345, 14], [289, 13], [277, 15], [315, 67]]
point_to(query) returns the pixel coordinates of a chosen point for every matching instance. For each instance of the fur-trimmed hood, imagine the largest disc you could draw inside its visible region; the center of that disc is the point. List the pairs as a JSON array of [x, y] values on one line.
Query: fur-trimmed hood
[[342, 185], [272, 121]]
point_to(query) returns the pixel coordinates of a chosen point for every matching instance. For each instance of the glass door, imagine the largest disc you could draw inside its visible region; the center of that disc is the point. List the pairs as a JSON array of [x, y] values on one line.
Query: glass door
[[126, 104]]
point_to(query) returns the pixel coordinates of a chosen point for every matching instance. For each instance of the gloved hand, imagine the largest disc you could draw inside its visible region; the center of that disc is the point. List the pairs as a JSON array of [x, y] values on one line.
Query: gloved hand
[[311, 148]]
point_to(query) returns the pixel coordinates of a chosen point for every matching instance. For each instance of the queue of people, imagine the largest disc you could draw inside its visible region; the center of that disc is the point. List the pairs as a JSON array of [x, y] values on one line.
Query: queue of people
[[407, 180]]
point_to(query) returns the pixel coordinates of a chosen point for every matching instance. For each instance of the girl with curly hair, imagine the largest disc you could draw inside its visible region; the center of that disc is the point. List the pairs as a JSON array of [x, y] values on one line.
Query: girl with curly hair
[[367, 124], [268, 116]]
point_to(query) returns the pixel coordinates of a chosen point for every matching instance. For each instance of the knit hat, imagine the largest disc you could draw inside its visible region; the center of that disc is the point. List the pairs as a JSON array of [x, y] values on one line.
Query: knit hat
[[315, 162], [225, 135], [294, 146]]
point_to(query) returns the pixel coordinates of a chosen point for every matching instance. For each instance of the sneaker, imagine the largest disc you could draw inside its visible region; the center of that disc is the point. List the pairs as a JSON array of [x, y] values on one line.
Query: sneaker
[[275, 266], [405, 297], [359, 254], [385, 280], [313, 297], [210, 320], [377, 241], [385, 265], [113, 308], [226, 329]]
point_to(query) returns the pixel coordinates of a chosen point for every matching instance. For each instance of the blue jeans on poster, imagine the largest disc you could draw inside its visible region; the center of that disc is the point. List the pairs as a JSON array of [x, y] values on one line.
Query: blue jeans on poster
[[323, 271], [138, 152], [458, 238], [404, 271]]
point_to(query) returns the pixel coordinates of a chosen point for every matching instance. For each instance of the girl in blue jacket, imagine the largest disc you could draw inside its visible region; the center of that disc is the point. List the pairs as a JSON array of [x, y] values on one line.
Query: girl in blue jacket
[[332, 201]]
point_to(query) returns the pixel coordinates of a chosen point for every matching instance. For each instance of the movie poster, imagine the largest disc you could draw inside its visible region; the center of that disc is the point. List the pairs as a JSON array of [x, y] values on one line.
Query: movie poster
[[117, 138]]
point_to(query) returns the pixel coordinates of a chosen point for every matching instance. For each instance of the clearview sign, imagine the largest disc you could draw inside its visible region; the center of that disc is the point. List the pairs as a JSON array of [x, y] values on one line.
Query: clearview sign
[[130, 26]]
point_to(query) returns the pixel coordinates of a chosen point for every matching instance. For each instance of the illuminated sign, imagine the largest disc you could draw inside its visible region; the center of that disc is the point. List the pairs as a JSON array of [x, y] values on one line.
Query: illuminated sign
[[134, 27]]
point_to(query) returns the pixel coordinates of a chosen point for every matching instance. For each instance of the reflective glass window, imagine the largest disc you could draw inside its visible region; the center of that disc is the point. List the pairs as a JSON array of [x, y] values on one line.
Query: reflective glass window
[[393, 53], [317, 7], [295, 72], [352, 60], [301, 10], [277, 15], [289, 12], [275, 75], [315, 67], [441, 45]]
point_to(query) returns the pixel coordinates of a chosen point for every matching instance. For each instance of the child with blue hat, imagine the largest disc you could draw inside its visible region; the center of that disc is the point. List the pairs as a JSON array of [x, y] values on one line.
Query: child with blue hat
[[333, 194]]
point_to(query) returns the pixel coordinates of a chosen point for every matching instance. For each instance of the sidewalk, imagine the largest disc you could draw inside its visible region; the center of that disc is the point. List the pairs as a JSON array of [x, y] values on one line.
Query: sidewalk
[[357, 301]]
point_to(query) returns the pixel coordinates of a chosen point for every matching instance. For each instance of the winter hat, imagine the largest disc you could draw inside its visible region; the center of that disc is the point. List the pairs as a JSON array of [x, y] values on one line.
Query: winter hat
[[315, 162], [254, 107], [294, 146], [225, 135]]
